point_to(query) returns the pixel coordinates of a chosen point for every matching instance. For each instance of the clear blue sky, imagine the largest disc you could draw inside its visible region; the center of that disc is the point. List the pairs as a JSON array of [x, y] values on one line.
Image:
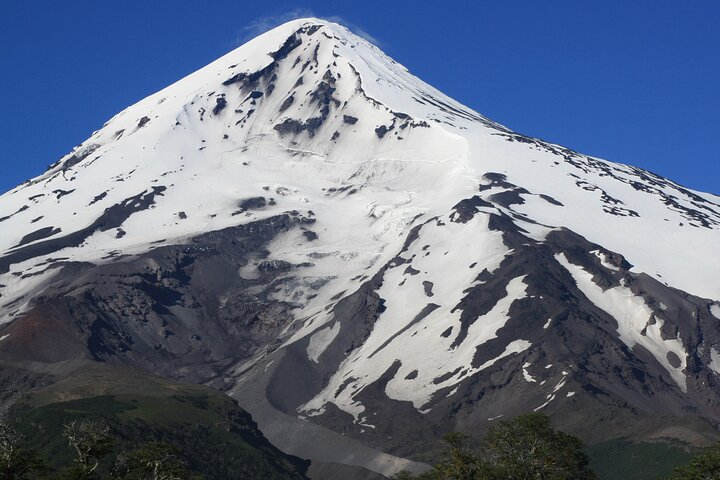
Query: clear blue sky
[[632, 81]]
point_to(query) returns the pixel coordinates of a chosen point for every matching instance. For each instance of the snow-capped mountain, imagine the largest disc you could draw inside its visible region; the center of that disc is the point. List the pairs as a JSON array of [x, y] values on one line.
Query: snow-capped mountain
[[363, 262]]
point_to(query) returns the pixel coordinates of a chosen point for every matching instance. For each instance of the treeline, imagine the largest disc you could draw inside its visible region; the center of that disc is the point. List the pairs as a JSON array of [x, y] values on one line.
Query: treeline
[[90, 443], [528, 448]]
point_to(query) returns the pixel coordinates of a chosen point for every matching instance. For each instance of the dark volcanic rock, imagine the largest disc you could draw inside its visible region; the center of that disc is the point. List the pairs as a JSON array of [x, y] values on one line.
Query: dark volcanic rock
[[253, 203], [286, 103], [220, 104], [467, 208], [127, 309], [382, 130], [39, 235]]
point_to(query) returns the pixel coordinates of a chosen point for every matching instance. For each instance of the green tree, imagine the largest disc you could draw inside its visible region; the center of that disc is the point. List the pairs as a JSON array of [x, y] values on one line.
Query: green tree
[[704, 466], [458, 463], [528, 448], [152, 461], [16, 461], [91, 442]]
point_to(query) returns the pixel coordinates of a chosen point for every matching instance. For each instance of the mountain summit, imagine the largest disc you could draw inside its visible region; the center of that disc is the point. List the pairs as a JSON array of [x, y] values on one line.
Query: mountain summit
[[363, 262]]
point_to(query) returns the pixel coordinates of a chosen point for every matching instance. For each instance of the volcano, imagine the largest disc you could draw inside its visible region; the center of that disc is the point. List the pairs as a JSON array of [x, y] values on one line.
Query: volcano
[[363, 263]]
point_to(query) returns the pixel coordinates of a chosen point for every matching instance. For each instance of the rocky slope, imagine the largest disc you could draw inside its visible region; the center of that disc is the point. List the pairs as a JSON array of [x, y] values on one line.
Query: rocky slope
[[364, 262]]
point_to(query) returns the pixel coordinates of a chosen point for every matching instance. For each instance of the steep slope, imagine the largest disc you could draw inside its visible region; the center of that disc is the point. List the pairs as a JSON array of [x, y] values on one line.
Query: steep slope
[[362, 261]]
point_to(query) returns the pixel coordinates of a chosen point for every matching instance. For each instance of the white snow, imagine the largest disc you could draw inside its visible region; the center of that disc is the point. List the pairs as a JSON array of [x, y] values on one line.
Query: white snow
[[550, 398], [421, 347], [526, 374], [425, 173], [516, 346], [561, 383], [667, 258], [714, 361], [633, 316], [604, 261], [321, 340], [411, 177]]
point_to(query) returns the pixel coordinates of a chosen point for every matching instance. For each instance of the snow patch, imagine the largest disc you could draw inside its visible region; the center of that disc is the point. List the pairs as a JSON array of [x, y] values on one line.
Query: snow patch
[[714, 361], [321, 340], [604, 261], [420, 349], [526, 374], [516, 346], [550, 398], [633, 316], [452, 392]]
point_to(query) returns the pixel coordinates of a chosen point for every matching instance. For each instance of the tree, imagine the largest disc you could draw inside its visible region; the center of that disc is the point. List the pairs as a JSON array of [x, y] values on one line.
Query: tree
[[91, 441], [529, 448], [459, 463], [704, 466], [152, 461], [16, 461], [526, 448]]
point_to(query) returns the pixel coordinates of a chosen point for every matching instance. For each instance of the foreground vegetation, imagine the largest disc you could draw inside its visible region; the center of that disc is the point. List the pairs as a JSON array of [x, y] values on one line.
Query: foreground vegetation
[[109, 424], [525, 448], [620, 459], [90, 441], [528, 448], [115, 425], [101, 448]]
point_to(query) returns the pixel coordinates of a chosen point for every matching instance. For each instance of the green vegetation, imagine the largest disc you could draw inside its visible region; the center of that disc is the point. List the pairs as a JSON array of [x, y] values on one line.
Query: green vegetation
[[91, 442], [97, 427], [624, 460], [528, 448], [17, 462], [153, 461], [524, 448], [116, 424], [704, 466]]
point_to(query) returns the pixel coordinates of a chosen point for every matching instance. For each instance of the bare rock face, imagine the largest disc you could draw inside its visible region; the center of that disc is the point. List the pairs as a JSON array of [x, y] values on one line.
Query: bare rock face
[[363, 263]]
